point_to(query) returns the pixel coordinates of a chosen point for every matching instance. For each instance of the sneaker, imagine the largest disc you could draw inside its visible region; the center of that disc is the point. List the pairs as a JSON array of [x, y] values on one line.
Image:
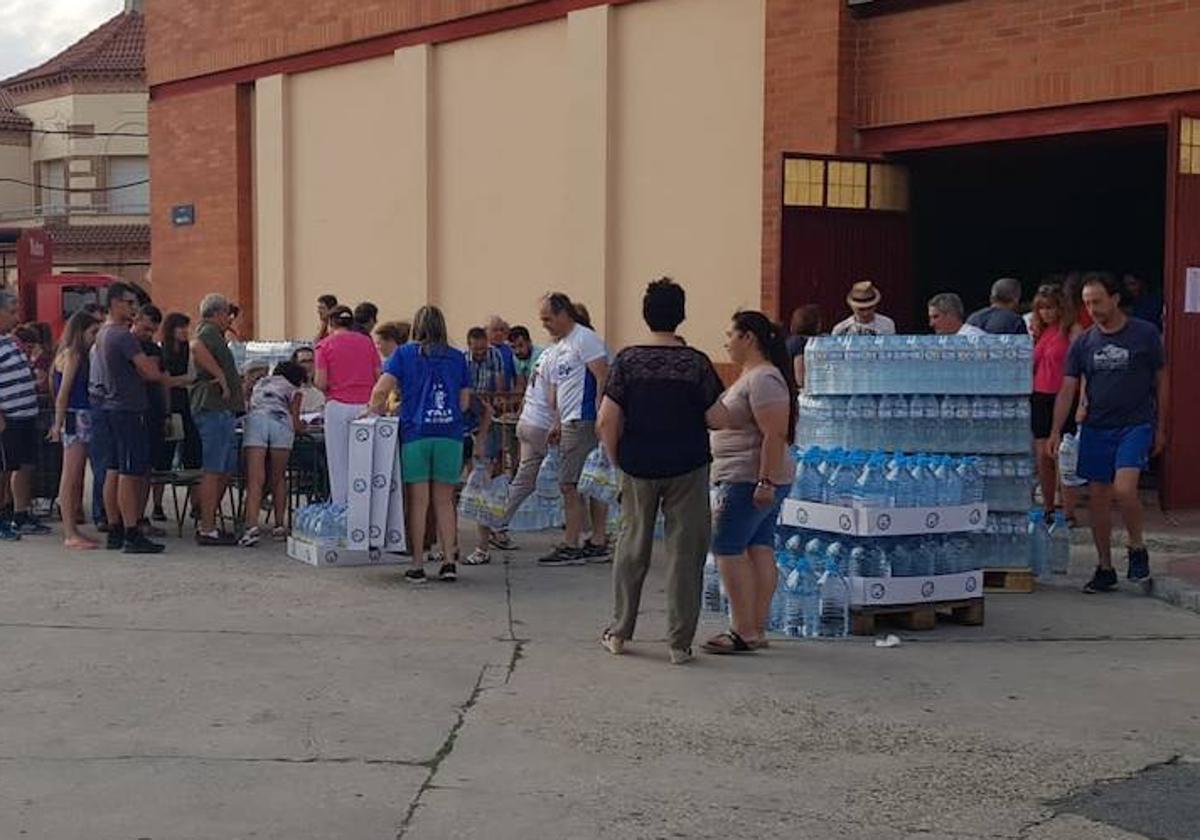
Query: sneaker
[[250, 538], [681, 656], [595, 553], [435, 557], [115, 539], [478, 557], [415, 576], [1139, 564], [563, 555], [150, 530], [613, 644], [448, 573], [502, 541], [27, 525], [159, 515], [1104, 580], [8, 533], [102, 527], [215, 538], [136, 543]]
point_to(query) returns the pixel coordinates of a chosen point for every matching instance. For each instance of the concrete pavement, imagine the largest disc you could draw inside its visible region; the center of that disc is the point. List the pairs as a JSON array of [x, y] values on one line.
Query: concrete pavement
[[235, 694]]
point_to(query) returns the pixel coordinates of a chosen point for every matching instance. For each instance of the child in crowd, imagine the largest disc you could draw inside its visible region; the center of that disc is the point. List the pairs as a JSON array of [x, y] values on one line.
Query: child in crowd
[[271, 426]]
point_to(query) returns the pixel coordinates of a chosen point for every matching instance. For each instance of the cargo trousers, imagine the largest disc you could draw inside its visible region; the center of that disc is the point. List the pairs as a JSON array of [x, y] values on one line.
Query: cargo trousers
[[684, 501]]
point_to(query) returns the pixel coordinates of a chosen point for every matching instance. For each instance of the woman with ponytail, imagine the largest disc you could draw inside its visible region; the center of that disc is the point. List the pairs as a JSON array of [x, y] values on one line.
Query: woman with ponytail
[[752, 472]]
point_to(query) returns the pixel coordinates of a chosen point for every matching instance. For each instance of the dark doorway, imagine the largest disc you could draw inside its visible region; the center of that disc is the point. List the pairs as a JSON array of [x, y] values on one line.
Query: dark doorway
[[1029, 209]]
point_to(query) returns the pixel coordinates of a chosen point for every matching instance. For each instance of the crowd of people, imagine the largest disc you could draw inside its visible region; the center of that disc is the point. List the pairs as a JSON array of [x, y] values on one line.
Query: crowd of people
[[133, 391]]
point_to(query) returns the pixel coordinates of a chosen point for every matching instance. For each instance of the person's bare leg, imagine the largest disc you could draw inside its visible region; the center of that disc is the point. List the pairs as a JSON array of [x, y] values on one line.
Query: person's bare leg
[[1126, 489], [112, 498], [70, 495], [158, 491], [22, 488], [573, 510], [256, 469], [1101, 510], [1047, 470], [132, 502], [447, 520], [278, 478], [418, 510], [599, 514], [210, 497], [741, 585], [766, 578]]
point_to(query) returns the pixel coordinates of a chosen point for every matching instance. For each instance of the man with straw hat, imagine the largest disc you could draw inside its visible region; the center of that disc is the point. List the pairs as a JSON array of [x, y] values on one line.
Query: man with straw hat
[[863, 299]]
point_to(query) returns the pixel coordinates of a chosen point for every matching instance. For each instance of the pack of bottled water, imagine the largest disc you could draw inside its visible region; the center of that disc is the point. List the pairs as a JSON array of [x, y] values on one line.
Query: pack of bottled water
[[927, 422], [322, 522], [918, 364], [547, 477], [599, 478], [1008, 481], [1025, 541], [876, 479]]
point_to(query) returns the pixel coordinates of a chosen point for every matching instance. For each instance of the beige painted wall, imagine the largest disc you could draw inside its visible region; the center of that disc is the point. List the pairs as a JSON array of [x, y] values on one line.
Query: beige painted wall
[[500, 175], [108, 112], [344, 187], [14, 198], [521, 166], [687, 158]]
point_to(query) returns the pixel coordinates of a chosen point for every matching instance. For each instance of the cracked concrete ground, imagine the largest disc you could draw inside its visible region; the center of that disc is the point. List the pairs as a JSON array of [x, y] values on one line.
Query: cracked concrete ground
[[235, 694]]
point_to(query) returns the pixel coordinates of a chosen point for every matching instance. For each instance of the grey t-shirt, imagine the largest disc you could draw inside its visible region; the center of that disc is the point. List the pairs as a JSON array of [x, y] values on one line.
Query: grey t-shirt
[[113, 381], [998, 321]]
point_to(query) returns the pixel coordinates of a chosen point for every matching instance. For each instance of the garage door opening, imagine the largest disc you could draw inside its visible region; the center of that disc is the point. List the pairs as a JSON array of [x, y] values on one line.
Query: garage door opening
[[1033, 209]]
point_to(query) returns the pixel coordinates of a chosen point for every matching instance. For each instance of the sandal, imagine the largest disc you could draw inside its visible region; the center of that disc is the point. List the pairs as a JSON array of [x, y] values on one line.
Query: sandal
[[502, 541], [80, 544], [279, 533], [726, 643]]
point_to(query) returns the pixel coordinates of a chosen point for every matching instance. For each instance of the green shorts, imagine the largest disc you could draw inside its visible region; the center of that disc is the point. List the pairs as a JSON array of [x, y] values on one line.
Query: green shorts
[[432, 459]]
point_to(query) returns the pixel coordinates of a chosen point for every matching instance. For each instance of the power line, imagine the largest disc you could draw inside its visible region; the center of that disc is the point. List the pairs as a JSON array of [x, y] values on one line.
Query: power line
[[74, 189], [86, 135]]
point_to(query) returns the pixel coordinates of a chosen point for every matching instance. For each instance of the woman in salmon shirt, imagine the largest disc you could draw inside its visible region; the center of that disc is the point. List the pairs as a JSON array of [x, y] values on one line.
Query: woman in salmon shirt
[[347, 366], [1053, 330]]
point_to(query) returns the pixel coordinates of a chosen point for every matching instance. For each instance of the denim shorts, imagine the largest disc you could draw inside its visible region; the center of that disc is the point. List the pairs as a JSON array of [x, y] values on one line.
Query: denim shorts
[[79, 428], [218, 441], [1104, 451], [268, 431], [737, 524]]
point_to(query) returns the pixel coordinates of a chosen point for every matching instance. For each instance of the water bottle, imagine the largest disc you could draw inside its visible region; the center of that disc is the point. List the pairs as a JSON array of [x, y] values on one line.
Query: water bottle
[[1037, 546], [994, 424], [1068, 460], [926, 557], [712, 587], [855, 423], [872, 435], [972, 480], [1060, 545], [949, 439], [834, 594], [901, 488], [870, 489], [840, 488], [903, 557], [900, 427], [948, 483], [926, 484], [838, 430], [962, 422], [926, 422]]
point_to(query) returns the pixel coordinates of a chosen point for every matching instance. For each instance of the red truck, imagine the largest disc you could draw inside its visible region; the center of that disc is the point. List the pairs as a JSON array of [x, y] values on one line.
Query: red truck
[[46, 296]]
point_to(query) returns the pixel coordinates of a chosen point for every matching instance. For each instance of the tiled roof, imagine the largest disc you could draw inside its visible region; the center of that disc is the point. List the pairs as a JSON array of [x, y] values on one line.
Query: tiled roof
[[96, 237], [117, 47], [10, 118]]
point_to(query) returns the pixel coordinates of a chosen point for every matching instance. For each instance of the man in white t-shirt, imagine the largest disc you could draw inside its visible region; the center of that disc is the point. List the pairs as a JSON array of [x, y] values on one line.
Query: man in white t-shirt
[[864, 300], [946, 315], [577, 377], [539, 414]]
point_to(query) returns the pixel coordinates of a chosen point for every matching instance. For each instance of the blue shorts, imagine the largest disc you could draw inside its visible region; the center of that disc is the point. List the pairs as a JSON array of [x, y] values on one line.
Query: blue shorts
[[1104, 451], [263, 430], [120, 442], [218, 441], [737, 524]]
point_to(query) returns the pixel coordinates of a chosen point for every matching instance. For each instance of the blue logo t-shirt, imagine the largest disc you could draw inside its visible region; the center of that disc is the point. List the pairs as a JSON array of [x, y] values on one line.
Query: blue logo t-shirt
[[430, 383]]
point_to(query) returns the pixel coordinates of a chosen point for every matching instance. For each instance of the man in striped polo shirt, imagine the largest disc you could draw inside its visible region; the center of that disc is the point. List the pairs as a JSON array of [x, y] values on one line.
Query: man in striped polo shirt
[[19, 441]]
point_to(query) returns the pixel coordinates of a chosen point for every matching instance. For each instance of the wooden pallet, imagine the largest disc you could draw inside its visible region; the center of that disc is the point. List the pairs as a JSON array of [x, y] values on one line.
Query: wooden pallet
[[863, 621], [1008, 580]]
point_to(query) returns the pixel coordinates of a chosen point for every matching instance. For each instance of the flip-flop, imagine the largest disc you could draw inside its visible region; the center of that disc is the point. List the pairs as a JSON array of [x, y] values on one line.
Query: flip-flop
[[736, 644], [80, 545]]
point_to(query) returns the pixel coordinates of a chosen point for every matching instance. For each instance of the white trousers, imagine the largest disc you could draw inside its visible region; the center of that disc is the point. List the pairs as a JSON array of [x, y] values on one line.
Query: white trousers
[[338, 417]]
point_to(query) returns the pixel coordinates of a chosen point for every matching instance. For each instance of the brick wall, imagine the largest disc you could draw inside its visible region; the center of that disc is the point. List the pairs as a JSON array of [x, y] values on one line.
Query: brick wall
[[199, 154], [187, 38], [988, 56], [809, 101]]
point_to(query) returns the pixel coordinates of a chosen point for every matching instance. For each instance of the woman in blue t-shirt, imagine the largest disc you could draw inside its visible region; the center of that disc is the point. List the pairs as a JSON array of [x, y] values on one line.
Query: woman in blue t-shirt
[[435, 389]]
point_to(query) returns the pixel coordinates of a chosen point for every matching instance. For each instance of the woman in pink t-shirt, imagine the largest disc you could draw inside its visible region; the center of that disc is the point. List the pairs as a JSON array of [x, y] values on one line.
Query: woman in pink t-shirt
[[347, 366], [1053, 331]]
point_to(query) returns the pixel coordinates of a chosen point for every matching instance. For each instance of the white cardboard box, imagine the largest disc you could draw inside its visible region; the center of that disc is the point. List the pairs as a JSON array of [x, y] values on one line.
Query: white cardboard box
[[870, 522], [358, 515], [396, 532], [383, 456], [333, 554], [880, 592]]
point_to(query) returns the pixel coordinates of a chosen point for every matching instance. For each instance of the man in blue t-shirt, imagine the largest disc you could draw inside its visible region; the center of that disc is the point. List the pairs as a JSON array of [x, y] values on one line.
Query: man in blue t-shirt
[[1121, 361]]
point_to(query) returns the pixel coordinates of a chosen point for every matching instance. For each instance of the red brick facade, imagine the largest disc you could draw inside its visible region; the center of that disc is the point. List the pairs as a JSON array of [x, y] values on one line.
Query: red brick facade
[[200, 155]]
